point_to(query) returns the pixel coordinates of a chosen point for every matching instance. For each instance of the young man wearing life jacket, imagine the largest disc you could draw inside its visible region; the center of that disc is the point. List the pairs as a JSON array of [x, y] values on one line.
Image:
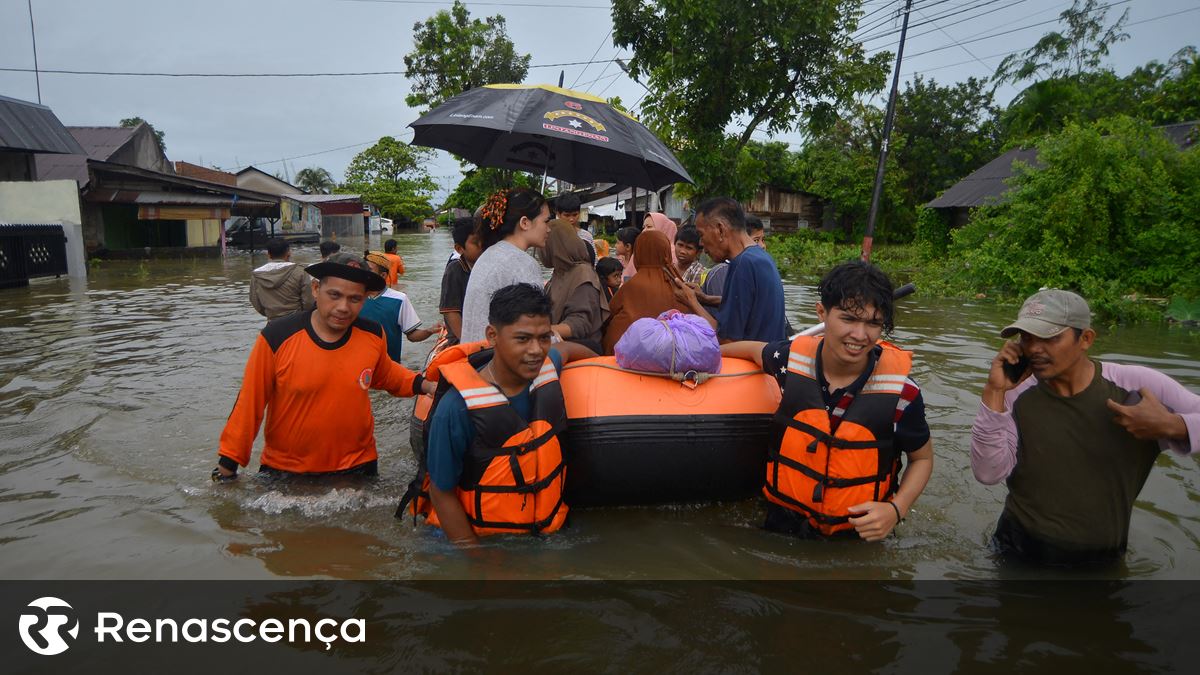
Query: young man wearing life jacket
[[493, 462], [849, 413], [1073, 437]]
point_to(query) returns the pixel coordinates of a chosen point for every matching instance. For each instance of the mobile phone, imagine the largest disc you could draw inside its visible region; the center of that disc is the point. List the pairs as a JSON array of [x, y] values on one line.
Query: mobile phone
[[1133, 398], [1014, 371]]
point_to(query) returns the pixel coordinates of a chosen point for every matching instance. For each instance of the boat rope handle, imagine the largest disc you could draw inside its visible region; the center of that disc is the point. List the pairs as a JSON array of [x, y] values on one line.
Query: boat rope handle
[[691, 375]]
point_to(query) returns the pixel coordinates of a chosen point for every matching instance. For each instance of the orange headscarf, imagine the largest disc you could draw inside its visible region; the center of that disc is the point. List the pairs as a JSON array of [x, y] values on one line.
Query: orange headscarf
[[649, 293]]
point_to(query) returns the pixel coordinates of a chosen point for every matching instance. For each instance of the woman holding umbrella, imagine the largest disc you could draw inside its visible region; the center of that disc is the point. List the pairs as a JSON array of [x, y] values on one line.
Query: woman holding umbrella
[[510, 222]]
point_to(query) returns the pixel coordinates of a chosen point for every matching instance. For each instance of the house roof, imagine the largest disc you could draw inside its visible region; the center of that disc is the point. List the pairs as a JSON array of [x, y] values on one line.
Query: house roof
[[33, 127], [986, 184], [99, 143], [1183, 134], [121, 183], [290, 189], [323, 199]]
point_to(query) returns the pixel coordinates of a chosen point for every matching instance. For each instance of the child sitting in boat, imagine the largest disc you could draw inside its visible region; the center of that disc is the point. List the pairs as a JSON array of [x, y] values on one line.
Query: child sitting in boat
[[687, 252], [626, 236], [609, 270], [493, 462], [851, 412]]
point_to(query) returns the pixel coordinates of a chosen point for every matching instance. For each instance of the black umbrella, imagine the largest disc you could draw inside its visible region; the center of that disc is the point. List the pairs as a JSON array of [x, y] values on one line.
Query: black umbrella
[[540, 128]]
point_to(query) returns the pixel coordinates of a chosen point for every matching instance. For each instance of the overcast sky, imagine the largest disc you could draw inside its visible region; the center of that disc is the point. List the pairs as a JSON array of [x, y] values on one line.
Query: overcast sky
[[234, 122]]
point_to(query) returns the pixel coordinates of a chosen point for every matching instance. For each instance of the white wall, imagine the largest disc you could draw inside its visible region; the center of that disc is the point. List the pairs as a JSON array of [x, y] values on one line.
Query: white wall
[[53, 202]]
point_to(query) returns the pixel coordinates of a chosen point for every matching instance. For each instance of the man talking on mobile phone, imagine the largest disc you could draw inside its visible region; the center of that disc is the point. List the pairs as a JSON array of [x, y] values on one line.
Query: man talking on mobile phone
[[1075, 438]]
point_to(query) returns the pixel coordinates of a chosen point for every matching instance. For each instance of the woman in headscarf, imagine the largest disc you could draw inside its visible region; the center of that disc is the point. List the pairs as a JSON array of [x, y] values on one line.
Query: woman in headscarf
[[578, 306], [660, 222], [649, 293]]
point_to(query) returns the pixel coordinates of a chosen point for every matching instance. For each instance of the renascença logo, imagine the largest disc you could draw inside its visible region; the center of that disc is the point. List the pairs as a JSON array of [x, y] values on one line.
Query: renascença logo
[[42, 631]]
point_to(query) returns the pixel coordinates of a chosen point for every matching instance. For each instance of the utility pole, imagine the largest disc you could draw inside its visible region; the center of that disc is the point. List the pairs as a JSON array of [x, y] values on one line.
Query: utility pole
[[37, 77], [869, 236]]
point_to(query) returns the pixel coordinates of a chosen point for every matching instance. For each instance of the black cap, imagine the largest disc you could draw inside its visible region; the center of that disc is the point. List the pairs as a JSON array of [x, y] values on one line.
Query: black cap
[[349, 267]]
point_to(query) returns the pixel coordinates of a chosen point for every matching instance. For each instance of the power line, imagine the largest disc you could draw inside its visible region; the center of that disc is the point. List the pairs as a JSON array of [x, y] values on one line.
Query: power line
[[114, 73], [613, 80], [968, 51], [598, 47], [1032, 25], [482, 4], [892, 31], [946, 15], [323, 152]]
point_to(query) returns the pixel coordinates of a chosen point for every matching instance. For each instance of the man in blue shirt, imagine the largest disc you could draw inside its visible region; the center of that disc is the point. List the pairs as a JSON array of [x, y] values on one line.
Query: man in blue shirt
[[752, 300], [513, 375]]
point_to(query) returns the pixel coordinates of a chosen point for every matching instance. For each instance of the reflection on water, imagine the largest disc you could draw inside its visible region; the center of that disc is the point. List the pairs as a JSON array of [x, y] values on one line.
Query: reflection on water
[[113, 394]]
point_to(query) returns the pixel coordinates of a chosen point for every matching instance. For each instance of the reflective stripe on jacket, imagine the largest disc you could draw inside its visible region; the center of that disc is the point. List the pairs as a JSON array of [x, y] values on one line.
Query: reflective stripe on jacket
[[513, 472]]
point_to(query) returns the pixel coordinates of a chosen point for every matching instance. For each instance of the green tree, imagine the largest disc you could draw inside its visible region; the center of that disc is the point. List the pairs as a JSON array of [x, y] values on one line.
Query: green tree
[[1081, 48], [948, 131], [392, 175], [839, 164], [315, 180], [713, 63], [478, 184], [132, 122], [453, 53]]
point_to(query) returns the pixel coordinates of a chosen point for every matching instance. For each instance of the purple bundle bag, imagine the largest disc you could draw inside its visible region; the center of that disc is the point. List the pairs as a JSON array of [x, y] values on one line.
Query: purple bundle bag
[[673, 343]]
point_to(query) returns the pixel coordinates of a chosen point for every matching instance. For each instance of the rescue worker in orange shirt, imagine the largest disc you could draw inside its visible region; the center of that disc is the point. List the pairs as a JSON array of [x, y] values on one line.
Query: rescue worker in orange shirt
[[397, 263], [309, 373], [493, 462]]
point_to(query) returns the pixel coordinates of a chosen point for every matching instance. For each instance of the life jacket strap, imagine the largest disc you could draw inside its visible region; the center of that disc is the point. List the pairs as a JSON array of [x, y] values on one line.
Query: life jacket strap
[[521, 485]]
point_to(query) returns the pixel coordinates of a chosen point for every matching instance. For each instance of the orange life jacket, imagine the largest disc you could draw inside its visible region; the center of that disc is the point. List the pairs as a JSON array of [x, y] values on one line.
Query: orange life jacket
[[513, 473], [818, 472]]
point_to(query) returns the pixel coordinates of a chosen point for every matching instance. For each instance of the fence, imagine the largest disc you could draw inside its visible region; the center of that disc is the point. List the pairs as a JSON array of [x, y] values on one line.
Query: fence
[[28, 251]]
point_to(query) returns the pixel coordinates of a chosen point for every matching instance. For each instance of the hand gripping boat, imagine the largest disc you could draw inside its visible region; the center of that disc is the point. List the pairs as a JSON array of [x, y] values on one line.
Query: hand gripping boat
[[648, 438]]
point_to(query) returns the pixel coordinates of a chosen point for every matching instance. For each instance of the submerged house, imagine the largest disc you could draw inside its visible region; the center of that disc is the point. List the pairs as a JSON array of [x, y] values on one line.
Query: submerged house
[[133, 203]]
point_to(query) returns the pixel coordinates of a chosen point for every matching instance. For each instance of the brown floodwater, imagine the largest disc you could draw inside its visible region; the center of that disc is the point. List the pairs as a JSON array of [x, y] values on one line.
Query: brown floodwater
[[114, 391]]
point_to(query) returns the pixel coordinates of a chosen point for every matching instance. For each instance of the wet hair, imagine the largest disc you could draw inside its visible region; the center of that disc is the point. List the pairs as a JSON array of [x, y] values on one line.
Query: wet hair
[[688, 235], [726, 209], [504, 210], [606, 266], [854, 285], [462, 230], [628, 235], [511, 303], [277, 247], [389, 246], [566, 203], [328, 248], [754, 224]]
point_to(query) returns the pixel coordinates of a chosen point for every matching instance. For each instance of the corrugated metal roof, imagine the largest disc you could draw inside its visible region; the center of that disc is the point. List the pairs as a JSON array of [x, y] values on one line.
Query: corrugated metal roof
[[1183, 134], [95, 143], [986, 184], [34, 128]]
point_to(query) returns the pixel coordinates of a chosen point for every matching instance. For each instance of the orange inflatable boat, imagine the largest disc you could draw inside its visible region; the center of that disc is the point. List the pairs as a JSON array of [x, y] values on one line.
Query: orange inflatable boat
[[639, 438]]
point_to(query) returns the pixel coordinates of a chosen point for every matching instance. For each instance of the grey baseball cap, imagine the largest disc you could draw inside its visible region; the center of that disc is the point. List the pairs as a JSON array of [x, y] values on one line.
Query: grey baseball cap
[[1050, 312]]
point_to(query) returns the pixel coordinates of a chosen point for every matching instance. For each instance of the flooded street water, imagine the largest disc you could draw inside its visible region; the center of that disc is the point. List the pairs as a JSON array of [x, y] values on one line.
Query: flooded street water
[[113, 394]]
